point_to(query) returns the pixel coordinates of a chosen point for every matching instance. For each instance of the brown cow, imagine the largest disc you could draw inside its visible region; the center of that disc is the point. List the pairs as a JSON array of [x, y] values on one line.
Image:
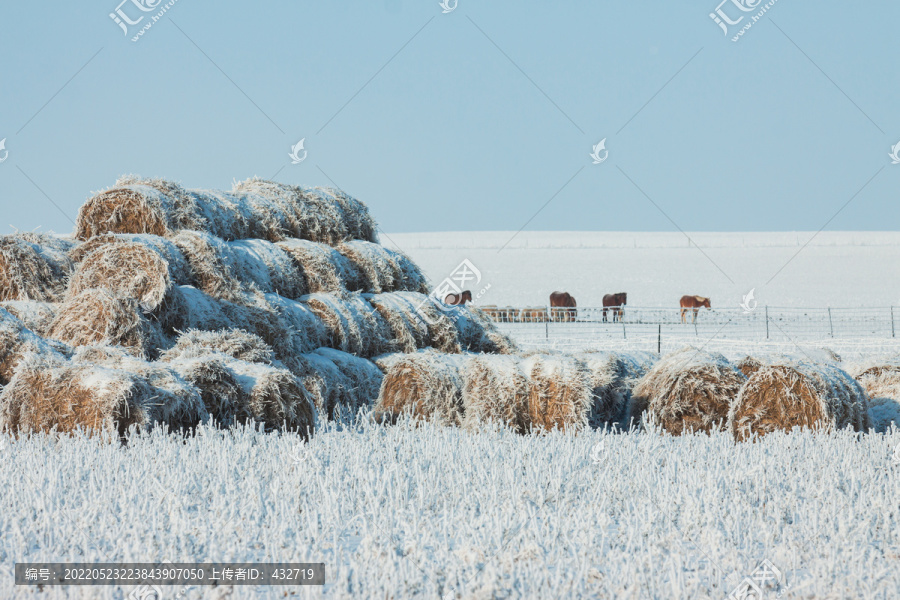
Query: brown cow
[[693, 303], [615, 302], [458, 299], [562, 307]]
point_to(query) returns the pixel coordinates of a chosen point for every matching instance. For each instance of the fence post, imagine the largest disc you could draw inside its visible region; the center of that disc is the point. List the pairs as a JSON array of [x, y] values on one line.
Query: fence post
[[892, 321], [767, 321], [624, 337], [659, 340], [830, 323], [547, 325]]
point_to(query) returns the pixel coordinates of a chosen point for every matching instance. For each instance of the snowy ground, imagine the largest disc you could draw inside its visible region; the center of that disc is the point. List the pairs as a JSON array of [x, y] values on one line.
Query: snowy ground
[[656, 269], [399, 512]]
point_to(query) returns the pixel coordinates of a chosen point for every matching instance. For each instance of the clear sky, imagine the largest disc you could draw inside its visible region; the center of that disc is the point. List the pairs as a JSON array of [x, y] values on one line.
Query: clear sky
[[467, 120]]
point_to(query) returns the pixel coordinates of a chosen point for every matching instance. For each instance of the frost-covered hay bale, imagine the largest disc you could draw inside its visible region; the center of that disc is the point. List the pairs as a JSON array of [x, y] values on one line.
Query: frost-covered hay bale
[[362, 376], [33, 267], [749, 365], [135, 209], [234, 343], [131, 270], [177, 402], [179, 269], [799, 394], [353, 325], [687, 390], [443, 333], [426, 385], [307, 330], [36, 316], [49, 392], [412, 278], [324, 268], [221, 393], [16, 341], [287, 212], [210, 264], [613, 376], [477, 332], [378, 269], [495, 390], [354, 215], [559, 392], [98, 317], [276, 397], [329, 389], [268, 267], [408, 329], [881, 381]]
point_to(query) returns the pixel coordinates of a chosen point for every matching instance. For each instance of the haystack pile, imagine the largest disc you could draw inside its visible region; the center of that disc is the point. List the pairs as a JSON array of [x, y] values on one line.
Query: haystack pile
[[798, 394], [259, 305], [687, 390]]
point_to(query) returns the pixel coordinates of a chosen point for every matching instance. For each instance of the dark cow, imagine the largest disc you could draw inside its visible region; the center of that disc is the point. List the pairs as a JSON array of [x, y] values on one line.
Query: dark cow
[[615, 302], [562, 307], [693, 303], [458, 299]]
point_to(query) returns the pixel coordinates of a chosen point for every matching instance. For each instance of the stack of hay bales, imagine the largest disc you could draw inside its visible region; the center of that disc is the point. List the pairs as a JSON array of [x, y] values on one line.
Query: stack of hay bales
[[427, 385], [880, 379], [299, 269], [798, 394], [687, 390]]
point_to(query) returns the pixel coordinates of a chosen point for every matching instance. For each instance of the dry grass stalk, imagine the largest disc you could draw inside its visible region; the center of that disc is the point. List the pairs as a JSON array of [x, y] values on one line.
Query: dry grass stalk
[[799, 394], [34, 267], [495, 390], [687, 390], [426, 385], [559, 392]]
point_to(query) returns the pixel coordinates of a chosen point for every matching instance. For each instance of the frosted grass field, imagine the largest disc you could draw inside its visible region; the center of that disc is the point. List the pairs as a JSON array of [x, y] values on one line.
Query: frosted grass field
[[836, 268], [398, 512]]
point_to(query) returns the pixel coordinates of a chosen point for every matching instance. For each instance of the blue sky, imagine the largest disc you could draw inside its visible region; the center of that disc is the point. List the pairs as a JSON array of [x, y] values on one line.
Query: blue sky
[[469, 120]]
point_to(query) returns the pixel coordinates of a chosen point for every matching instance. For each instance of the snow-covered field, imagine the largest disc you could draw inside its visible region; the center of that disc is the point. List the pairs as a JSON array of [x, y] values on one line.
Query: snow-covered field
[[403, 512], [656, 269]]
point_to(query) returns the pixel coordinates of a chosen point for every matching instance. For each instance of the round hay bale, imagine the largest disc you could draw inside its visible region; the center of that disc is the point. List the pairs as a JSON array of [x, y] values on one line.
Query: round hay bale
[[613, 376], [16, 341], [330, 390], [881, 381], [362, 375], [135, 209], [324, 268], [306, 328], [559, 392], [36, 316], [33, 267], [210, 265], [408, 330], [800, 394], [749, 365], [377, 269], [412, 278], [687, 390], [276, 397], [177, 402], [179, 269], [477, 332], [288, 213], [354, 215], [495, 390], [134, 271], [268, 267], [427, 385], [443, 333], [98, 317], [353, 325], [222, 395], [234, 343]]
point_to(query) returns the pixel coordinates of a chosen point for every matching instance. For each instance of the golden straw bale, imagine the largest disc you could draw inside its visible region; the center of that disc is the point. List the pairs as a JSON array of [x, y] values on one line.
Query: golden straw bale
[[276, 397], [324, 268], [329, 389], [306, 329], [495, 390], [34, 267], [36, 316], [613, 376], [135, 209], [798, 394], [221, 392], [179, 269], [408, 329], [353, 325], [427, 385], [98, 317], [559, 392], [209, 265], [234, 343], [378, 270], [687, 390], [16, 341], [288, 212], [749, 365]]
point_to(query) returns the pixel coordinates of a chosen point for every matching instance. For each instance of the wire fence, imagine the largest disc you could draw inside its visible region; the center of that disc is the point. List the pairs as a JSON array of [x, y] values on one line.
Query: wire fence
[[761, 323]]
